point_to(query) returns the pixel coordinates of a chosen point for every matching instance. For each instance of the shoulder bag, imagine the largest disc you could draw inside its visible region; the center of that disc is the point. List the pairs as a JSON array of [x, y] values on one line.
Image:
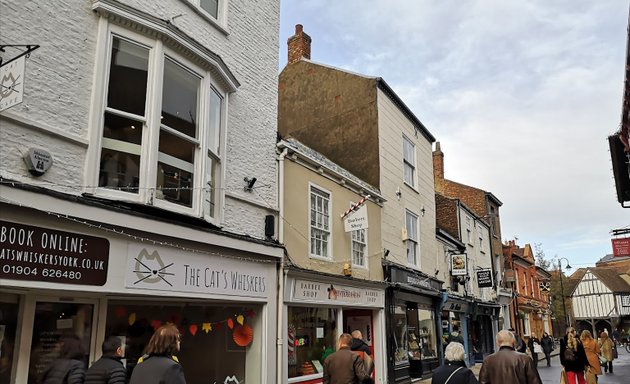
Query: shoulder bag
[[454, 372]]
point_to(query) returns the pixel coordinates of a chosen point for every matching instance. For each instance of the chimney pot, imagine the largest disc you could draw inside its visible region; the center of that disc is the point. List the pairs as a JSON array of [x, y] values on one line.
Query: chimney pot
[[298, 29]]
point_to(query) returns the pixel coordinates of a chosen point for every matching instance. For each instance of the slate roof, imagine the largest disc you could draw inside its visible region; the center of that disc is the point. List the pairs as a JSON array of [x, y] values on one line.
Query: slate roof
[[317, 157]]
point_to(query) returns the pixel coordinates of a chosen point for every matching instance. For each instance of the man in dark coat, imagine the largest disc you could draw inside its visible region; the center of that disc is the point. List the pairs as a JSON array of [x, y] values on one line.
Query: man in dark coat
[[547, 347], [359, 346], [344, 366], [109, 368], [455, 335], [520, 343], [508, 366]]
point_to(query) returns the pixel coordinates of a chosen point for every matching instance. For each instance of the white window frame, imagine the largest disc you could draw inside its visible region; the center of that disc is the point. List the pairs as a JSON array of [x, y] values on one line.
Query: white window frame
[[365, 246], [220, 20], [469, 240], [149, 151], [409, 163], [413, 237], [482, 248], [329, 248]]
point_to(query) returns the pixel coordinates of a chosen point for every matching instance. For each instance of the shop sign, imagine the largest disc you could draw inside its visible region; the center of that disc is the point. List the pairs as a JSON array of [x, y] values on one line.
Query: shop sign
[[356, 220], [484, 278], [327, 293], [414, 279], [41, 254], [12, 83], [458, 265], [621, 247], [171, 269]]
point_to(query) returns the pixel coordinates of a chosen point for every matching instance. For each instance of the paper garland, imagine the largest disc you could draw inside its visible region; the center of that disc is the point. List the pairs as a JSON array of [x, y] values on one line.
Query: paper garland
[[242, 333]]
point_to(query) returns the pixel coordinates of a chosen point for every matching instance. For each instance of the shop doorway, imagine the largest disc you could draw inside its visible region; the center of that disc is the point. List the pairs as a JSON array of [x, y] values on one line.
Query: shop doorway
[[361, 320], [60, 328]]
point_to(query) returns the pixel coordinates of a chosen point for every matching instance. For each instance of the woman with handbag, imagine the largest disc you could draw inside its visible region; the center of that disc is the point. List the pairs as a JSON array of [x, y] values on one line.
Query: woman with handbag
[[592, 354], [572, 357], [547, 347], [534, 348], [607, 345], [454, 370]]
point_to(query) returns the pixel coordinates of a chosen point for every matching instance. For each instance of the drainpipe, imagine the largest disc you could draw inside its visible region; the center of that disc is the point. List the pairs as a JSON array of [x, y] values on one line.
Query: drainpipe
[[282, 273]]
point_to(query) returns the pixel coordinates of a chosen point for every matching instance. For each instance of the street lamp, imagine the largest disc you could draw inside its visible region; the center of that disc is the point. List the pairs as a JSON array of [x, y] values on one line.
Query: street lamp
[[564, 306]]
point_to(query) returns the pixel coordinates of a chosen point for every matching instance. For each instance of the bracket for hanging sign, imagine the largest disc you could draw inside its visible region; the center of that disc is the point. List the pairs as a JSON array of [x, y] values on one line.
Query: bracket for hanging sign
[[355, 206], [28, 49]]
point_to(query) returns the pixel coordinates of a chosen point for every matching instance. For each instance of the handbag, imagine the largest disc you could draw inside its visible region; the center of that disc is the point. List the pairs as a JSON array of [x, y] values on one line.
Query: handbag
[[602, 360], [563, 377], [591, 378], [537, 348]]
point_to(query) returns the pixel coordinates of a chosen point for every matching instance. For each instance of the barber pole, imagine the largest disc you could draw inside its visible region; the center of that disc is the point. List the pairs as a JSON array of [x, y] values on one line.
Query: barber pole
[[355, 206]]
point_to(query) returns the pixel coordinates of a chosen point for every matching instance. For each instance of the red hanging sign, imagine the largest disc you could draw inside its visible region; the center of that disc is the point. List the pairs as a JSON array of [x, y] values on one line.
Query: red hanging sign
[[621, 247]]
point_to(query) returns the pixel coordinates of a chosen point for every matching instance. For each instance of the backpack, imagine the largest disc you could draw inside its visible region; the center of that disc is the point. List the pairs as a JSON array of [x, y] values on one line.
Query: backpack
[[569, 354]]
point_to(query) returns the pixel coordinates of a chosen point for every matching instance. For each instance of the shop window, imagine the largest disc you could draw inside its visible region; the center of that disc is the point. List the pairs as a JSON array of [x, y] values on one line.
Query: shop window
[[57, 324], [311, 337], [426, 333], [161, 140], [400, 335], [216, 341], [8, 331]]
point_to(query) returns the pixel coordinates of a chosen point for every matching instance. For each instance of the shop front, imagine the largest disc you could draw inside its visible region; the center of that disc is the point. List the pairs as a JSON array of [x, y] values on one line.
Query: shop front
[[414, 343], [62, 279], [483, 328], [319, 308], [455, 317]]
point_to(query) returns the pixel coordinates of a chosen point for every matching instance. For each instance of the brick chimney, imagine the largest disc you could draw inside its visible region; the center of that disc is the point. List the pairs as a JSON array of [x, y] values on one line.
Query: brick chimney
[[438, 168], [299, 45]]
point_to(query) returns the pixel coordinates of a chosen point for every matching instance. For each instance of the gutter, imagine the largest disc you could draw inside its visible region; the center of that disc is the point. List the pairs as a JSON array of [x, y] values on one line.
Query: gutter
[[281, 272]]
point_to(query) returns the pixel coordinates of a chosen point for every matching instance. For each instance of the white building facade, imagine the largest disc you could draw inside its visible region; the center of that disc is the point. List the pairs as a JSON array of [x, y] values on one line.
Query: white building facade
[[156, 208]]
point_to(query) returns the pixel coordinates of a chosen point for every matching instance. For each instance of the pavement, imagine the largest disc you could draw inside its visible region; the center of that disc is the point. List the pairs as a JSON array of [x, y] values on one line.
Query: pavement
[[551, 375]]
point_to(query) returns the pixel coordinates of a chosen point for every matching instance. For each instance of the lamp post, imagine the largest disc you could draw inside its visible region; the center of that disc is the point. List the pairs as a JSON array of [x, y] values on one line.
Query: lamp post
[[564, 306]]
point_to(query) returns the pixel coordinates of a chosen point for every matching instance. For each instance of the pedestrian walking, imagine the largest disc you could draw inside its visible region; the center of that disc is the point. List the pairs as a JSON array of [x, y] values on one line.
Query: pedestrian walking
[[69, 368], [109, 368], [344, 366], [159, 365], [607, 346], [454, 370], [455, 335], [573, 357], [520, 344], [547, 346], [534, 348], [592, 355], [363, 350], [506, 366]]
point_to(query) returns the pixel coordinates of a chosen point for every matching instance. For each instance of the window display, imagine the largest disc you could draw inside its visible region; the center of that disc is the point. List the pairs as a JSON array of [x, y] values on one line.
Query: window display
[[215, 340], [400, 334], [426, 333], [311, 337], [8, 328]]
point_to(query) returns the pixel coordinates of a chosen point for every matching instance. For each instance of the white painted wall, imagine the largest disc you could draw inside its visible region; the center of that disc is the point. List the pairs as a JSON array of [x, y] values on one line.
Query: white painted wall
[[478, 256], [392, 125], [59, 81], [592, 299]]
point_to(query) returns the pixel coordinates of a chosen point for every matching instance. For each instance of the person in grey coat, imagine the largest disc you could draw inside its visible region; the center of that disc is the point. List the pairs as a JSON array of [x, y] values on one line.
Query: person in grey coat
[[109, 368], [454, 370], [69, 368]]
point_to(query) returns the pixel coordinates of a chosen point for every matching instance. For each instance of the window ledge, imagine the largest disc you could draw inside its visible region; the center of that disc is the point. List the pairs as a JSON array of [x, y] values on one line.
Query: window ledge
[[322, 258], [411, 187]]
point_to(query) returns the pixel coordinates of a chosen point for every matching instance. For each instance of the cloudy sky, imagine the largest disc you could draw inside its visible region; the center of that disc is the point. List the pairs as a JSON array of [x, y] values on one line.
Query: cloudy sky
[[521, 95]]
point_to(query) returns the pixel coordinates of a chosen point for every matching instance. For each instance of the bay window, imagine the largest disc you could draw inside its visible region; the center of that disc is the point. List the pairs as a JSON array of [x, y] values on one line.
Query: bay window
[[162, 124]]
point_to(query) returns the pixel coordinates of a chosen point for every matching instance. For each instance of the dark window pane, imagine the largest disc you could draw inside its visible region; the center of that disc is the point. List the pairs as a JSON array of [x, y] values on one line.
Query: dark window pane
[[123, 129], [8, 351], [119, 170], [179, 99], [177, 147], [173, 184], [210, 6], [127, 90], [56, 324]]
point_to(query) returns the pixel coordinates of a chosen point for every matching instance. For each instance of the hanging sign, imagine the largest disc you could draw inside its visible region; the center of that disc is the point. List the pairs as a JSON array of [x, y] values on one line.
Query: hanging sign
[[458, 265], [484, 278], [356, 220], [12, 83], [621, 247]]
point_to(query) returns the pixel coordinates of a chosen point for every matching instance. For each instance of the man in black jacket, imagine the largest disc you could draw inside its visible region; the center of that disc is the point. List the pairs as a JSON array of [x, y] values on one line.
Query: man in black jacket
[[109, 368]]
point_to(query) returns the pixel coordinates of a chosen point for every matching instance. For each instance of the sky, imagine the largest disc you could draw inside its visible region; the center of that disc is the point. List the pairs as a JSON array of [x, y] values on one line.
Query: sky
[[521, 96]]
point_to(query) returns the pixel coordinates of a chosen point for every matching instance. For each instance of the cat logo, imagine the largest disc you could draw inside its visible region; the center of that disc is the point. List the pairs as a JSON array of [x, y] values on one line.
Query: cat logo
[[149, 268]]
